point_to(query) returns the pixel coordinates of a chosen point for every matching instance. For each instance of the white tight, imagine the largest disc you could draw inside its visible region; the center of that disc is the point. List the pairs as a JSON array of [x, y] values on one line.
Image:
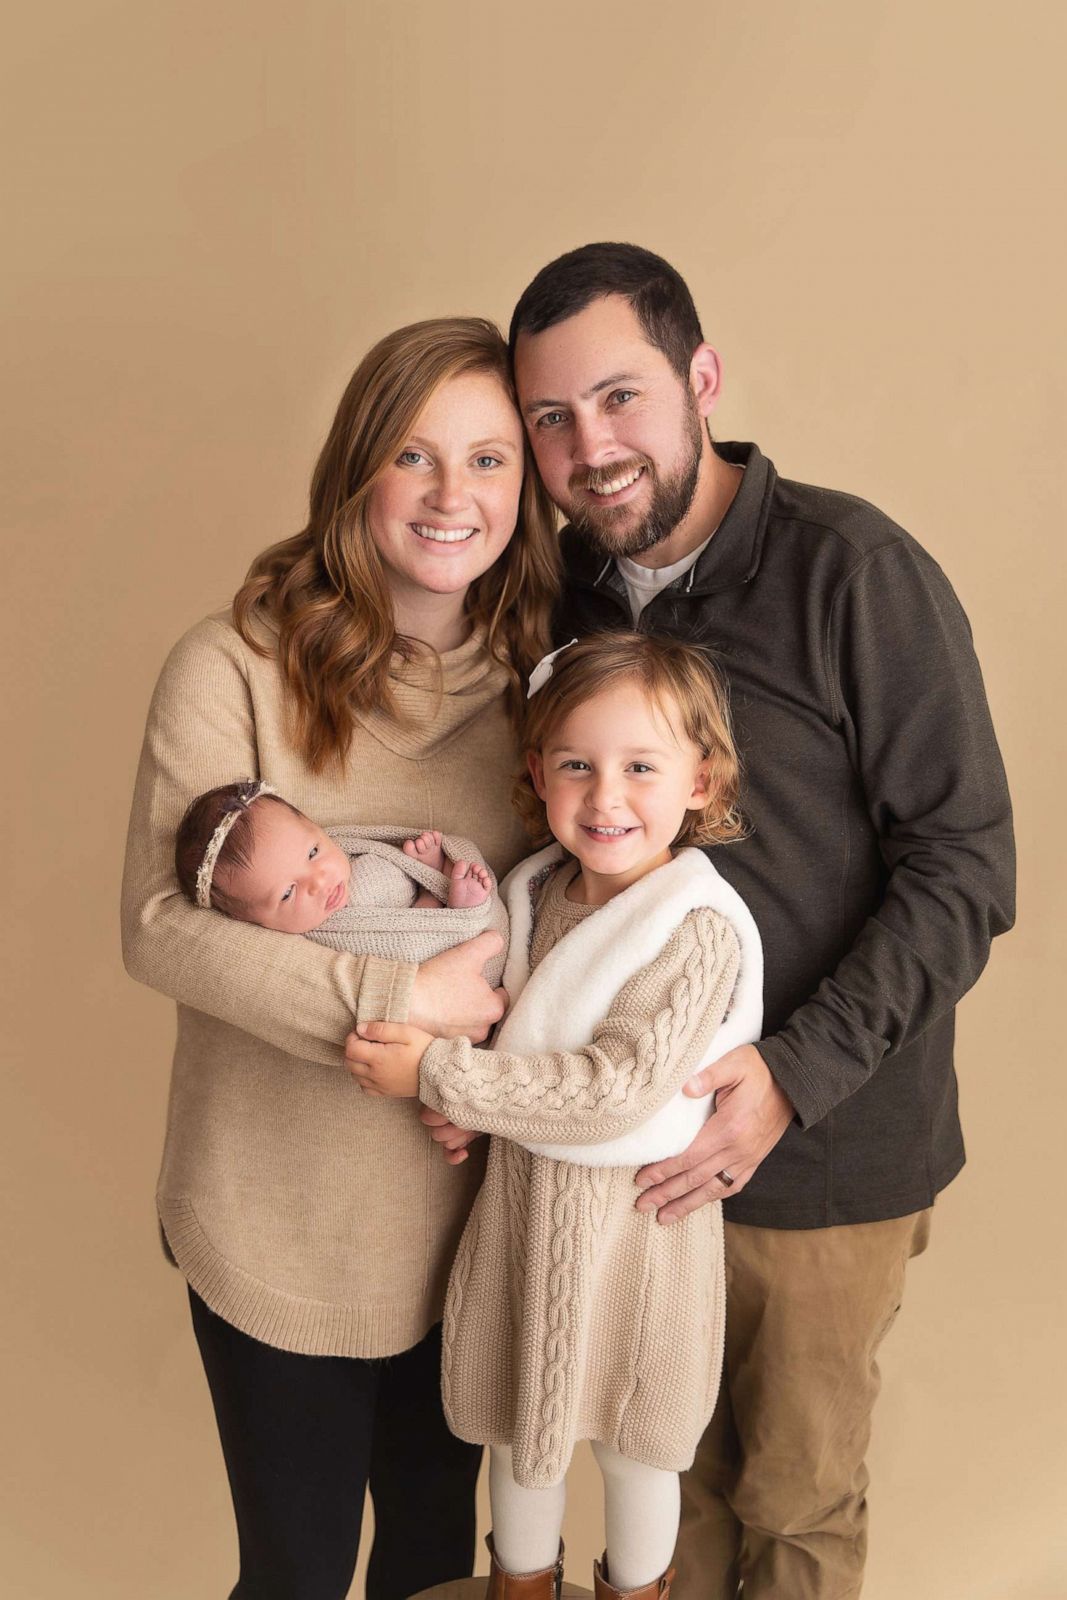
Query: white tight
[[641, 1513]]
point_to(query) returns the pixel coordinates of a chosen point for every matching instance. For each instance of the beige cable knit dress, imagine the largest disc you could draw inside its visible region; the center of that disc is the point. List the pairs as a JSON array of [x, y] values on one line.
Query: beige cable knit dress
[[569, 1314]]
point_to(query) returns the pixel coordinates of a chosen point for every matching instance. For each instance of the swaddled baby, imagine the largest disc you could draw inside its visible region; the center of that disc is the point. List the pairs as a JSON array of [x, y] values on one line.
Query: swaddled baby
[[247, 852]]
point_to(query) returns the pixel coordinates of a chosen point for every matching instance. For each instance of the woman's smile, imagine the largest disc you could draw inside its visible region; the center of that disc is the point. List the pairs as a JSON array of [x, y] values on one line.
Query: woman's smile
[[444, 510], [433, 533]]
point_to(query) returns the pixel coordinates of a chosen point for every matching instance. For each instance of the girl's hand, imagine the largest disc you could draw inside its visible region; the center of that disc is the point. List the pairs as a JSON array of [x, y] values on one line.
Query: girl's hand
[[453, 1140], [384, 1058]]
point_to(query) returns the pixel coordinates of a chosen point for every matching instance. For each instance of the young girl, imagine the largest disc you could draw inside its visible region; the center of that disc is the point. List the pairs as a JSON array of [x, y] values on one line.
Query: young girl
[[571, 1315]]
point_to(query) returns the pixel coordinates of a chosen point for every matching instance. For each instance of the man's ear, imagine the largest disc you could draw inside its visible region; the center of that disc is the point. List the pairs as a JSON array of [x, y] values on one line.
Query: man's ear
[[536, 768], [705, 378]]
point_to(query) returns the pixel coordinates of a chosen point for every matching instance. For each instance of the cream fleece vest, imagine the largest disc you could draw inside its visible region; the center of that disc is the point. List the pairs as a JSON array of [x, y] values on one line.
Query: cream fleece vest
[[559, 1004]]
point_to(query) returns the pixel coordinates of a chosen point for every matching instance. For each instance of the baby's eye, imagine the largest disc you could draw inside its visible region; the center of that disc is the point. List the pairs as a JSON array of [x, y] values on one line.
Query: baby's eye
[[288, 893], [313, 852], [574, 766], [640, 766]]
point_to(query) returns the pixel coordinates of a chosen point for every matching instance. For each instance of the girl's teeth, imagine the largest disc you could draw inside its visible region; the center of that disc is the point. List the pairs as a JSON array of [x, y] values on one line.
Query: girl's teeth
[[443, 535], [619, 483], [610, 833]]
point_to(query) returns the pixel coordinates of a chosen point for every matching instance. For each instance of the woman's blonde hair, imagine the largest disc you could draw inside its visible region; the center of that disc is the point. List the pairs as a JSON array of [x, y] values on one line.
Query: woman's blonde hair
[[324, 590], [671, 674]]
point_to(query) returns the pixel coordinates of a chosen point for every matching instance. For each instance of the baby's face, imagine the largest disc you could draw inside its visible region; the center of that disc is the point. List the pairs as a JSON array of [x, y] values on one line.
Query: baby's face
[[298, 876]]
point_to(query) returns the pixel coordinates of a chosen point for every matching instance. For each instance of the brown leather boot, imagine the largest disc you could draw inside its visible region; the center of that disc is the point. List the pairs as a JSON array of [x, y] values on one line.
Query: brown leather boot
[[543, 1585], [658, 1589]]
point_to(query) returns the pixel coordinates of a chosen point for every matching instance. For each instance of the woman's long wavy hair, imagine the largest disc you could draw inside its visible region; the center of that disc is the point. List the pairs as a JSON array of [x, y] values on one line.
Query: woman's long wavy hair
[[324, 591]]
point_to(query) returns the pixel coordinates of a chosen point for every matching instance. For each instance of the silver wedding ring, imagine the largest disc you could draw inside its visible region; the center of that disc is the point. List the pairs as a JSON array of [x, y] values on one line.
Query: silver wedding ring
[[724, 1177]]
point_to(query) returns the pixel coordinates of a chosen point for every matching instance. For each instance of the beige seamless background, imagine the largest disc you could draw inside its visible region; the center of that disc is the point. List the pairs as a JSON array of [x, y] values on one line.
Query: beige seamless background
[[211, 211]]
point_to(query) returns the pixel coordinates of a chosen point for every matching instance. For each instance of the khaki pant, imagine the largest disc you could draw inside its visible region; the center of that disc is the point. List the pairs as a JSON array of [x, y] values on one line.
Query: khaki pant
[[776, 1495]]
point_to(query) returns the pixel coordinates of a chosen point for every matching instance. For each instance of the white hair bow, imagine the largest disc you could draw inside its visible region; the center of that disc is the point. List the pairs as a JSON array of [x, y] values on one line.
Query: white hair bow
[[544, 668]]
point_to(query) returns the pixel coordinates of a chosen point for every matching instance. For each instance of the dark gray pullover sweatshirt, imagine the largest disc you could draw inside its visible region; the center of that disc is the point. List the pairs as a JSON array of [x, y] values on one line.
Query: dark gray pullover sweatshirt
[[880, 859]]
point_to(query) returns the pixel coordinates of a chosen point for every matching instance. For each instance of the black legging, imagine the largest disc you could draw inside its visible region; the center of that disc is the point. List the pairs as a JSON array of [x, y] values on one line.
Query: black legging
[[303, 1436]]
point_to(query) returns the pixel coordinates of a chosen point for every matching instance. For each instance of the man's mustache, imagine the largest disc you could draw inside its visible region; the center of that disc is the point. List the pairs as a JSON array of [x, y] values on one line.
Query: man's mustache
[[597, 478]]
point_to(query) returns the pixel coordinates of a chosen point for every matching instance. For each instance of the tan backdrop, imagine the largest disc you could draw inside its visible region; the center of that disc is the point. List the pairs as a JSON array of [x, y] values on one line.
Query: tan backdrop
[[213, 209]]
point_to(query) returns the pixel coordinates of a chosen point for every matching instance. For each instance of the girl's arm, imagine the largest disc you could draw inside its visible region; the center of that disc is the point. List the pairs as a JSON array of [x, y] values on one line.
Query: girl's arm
[[654, 1037], [291, 992]]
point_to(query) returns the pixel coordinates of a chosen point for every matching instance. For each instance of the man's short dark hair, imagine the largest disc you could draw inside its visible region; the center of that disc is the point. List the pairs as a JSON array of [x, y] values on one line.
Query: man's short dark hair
[[658, 294]]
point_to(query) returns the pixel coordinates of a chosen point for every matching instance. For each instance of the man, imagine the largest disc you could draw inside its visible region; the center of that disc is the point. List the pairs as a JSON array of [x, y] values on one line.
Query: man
[[878, 865]]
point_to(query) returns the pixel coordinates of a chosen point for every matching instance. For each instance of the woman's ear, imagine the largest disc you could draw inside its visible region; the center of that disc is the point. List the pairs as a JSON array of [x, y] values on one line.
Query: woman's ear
[[535, 767]]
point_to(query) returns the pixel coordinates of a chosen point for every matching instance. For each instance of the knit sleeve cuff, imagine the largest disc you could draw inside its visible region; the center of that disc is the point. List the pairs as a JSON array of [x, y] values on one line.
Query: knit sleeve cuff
[[795, 1083], [385, 990], [438, 1061]]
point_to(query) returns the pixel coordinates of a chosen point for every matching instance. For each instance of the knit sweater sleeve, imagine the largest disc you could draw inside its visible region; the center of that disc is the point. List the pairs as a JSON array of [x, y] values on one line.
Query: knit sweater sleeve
[[653, 1038], [284, 989], [905, 689]]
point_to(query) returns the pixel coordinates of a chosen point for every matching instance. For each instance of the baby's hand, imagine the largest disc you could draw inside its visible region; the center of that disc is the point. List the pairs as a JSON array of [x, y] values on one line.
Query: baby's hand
[[384, 1058]]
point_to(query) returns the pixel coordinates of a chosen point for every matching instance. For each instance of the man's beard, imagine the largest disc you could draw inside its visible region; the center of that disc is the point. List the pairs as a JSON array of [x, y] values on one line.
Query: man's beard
[[671, 500]]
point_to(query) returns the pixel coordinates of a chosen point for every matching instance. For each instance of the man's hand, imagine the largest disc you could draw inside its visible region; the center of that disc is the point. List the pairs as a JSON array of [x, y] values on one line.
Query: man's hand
[[453, 1140], [384, 1057], [451, 996], [751, 1114]]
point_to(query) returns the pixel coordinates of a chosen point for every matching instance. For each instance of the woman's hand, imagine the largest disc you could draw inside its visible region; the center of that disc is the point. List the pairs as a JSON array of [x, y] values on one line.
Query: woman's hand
[[384, 1057], [451, 996]]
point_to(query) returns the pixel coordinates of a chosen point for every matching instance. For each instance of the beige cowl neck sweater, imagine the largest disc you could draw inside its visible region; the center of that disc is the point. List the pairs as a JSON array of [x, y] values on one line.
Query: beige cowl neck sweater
[[309, 1215]]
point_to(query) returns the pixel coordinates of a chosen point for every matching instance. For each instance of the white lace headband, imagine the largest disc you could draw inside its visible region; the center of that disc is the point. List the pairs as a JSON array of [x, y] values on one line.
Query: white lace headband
[[544, 669], [206, 870]]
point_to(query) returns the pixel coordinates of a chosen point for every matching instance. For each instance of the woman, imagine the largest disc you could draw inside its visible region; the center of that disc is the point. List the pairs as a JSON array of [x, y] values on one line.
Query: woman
[[367, 673]]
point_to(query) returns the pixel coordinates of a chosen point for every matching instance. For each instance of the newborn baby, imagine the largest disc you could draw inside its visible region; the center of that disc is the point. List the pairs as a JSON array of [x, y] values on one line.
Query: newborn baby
[[245, 851]]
